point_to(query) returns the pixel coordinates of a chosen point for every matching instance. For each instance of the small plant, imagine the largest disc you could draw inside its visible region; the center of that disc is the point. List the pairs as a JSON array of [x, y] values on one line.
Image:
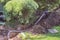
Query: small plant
[[20, 11]]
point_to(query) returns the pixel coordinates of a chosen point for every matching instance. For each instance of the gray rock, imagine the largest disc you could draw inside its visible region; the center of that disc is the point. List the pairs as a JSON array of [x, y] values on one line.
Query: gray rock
[[52, 31]]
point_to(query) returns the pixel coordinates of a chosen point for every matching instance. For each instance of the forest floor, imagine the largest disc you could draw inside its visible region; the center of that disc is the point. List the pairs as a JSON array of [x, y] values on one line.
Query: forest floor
[[36, 32]]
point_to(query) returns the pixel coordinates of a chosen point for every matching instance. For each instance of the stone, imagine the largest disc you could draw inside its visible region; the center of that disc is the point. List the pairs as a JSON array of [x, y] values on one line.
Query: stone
[[52, 31]]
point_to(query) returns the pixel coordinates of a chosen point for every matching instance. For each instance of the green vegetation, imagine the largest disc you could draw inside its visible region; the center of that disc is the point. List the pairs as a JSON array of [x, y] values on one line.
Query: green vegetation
[[22, 11], [48, 4], [4, 1], [48, 36]]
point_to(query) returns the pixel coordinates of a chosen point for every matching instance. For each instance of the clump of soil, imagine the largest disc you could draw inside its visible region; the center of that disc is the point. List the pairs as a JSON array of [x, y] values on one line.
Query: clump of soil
[[38, 29]]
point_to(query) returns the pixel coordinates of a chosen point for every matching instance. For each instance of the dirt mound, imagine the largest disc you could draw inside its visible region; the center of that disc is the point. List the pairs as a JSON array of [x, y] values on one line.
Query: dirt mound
[[53, 19]]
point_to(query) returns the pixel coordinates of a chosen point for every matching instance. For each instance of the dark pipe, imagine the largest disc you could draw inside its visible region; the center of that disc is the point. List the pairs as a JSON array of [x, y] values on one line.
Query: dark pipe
[[42, 16]]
